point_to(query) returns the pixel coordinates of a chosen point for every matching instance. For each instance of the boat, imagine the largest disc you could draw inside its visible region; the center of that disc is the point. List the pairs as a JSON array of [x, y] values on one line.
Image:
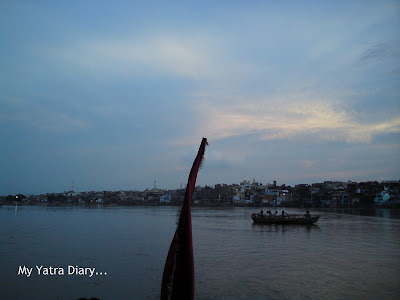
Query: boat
[[288, 219]]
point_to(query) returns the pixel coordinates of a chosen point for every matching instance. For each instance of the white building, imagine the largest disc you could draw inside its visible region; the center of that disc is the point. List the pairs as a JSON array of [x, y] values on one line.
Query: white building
[[382, 198]]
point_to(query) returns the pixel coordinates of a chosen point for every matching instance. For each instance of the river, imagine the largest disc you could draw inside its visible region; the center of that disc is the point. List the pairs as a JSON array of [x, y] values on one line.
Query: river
[[349, 254]]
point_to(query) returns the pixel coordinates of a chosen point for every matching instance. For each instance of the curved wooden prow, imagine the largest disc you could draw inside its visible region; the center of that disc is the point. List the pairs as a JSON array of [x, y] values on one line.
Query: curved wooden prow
[[178, 276]]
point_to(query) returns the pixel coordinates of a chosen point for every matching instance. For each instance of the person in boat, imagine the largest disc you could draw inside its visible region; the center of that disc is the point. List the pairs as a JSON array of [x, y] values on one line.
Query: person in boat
[[307, 215], [276, 213], [261, 214], [284, 215], [269, 214]]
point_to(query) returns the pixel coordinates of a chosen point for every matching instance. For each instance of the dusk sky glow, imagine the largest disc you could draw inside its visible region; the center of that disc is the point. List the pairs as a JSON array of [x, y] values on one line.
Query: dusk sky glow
[[114, 95]]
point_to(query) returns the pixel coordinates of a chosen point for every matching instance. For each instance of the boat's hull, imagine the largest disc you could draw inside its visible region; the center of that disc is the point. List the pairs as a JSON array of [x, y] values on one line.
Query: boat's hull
[[291, 219]]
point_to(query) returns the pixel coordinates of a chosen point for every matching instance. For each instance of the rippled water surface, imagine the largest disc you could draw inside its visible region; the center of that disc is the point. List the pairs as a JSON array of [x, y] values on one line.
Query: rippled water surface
[[347, 255]]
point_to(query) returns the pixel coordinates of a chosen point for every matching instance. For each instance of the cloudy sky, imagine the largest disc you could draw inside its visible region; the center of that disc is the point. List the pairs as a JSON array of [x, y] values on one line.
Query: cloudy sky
[[110, 95]]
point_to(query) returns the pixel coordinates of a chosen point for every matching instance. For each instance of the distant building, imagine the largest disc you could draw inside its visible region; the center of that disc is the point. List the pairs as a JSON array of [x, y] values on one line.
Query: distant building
[[166, 199], [382, 198], [236, 199]]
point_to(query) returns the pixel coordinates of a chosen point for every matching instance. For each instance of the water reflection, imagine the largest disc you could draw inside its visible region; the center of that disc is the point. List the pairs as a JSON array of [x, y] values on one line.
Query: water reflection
[[393, 213], [285, 228]]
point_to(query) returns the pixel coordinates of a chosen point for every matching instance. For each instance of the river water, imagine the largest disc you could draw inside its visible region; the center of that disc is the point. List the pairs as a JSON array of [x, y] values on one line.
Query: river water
[[347, 255]]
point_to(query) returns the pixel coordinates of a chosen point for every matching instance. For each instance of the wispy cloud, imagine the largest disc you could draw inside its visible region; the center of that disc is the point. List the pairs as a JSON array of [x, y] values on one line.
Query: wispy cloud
[[272, 119], [380, 51], [214, 158], [59, 122], [177, 55], [41, 117]]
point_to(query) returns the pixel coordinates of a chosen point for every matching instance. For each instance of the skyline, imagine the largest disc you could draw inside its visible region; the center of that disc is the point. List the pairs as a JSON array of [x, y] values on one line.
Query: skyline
[[115, 96], [274, 185]]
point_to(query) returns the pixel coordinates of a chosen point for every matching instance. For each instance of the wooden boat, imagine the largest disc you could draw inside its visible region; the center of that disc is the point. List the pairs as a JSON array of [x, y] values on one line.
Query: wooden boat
[[289, 219]]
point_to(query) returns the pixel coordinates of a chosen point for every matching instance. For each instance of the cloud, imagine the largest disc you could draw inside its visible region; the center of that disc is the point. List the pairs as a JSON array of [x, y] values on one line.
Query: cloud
[[163, 54], [307, 164], [289, 118], [379, 51], [214, 158], [218, 159], [39, 116], [59, 122]]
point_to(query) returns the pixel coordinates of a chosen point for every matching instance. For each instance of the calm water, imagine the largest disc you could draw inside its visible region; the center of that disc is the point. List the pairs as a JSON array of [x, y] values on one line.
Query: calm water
[[348, 255]]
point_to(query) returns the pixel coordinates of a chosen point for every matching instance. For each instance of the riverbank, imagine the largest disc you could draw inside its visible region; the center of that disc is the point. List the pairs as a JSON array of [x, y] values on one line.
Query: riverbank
[[205, 204]]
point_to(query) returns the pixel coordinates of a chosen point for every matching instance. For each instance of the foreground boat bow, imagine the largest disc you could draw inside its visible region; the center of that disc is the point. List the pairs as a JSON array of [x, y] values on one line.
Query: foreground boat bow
[[178, 276]]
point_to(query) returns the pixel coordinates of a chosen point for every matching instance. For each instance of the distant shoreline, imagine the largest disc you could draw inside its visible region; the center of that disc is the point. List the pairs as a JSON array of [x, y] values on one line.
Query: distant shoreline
[[95, 205]]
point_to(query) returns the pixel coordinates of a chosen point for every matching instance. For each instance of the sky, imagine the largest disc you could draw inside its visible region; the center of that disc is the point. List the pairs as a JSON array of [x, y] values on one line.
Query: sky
[[114, 95]]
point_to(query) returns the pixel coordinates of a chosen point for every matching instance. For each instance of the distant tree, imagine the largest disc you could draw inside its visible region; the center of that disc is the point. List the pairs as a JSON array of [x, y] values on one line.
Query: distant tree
[[10, 198], [61, 198], [367, 200], [257, 200], [303, 192]]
